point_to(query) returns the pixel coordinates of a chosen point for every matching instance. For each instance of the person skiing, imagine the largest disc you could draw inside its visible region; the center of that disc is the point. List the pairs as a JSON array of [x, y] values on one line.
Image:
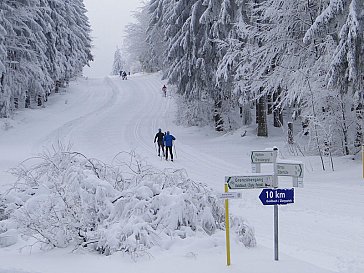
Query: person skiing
[[164, 89], [124, 76], [168, 142], [121, 73], [159, 138]]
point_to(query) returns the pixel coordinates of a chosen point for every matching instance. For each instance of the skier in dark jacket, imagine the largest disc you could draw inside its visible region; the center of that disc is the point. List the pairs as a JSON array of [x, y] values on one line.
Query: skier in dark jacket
[[159, 138], [124, 77], [168, 142], [164, 89]]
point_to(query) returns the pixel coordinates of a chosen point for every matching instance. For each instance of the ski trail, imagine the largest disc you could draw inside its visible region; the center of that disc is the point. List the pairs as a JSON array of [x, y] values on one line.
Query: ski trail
[[64, 132], [155, 112], [106, 116]]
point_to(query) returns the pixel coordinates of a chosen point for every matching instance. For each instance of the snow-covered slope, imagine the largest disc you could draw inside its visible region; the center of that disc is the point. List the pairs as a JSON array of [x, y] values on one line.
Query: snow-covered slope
[[321, 232]]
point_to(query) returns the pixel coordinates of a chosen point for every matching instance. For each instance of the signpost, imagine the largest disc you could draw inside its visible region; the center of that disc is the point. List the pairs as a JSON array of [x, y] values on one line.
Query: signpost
[[275, 211], [259, 157], [276, 196], [262, 156], [271, 194], [227, 227], [250, 182], [290, 169], [293, 169], [230, 195]]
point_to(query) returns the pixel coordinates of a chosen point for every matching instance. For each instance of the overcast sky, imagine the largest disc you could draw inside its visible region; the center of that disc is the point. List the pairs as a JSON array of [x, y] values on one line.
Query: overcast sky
[[108, 19]]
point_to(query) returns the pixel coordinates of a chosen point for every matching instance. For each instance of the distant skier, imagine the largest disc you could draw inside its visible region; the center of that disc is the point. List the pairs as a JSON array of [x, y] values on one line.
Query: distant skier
[[168, 142], [159, 138], [164, 89], [124, 76], [121, 73]]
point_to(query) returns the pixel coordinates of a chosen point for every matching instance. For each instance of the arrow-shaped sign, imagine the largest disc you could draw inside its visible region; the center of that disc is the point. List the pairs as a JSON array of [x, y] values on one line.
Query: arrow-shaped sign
[[290, 169], [261, 156], [277, 196], [249, 182]]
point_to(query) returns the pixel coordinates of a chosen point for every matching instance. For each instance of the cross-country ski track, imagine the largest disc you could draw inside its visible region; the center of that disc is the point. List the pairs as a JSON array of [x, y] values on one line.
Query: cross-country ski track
[[323, 231]]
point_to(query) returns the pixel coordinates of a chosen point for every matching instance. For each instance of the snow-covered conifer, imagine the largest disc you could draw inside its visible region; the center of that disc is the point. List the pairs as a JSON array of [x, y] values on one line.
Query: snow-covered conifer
[[47, 41], [118, 64], [3, 101], [343, 23], [141, 53]]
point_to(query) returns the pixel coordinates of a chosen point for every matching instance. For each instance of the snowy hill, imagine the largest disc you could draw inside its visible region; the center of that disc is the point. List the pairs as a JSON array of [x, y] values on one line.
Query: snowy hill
[[321, 232]]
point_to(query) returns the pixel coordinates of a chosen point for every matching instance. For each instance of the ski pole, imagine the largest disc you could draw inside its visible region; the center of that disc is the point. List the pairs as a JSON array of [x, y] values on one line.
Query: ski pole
[[175, 151], [155, 145]]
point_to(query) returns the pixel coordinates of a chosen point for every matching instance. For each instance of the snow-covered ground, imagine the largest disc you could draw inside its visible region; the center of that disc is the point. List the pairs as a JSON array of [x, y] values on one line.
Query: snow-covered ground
[[323, 231]]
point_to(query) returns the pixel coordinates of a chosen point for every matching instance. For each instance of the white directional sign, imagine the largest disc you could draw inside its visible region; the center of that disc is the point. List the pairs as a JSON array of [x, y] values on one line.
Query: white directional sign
[[230, 195], [262, 156], [250, 182], [290, 169]]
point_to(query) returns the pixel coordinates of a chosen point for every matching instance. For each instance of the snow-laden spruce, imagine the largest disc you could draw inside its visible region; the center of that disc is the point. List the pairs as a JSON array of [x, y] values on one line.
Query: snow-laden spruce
[[293, 61], [118, 64], [43, 45], [63, 198]]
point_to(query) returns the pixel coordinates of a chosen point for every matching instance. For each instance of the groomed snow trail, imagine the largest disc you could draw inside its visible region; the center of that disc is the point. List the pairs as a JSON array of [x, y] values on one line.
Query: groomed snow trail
[[101, 117]]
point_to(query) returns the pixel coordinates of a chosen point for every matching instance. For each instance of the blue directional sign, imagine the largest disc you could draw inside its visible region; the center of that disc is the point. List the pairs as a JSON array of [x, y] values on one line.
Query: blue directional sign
[[277, 196]]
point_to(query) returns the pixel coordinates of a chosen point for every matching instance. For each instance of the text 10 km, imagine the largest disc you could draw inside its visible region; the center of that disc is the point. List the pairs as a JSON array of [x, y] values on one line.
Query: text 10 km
[[275, 194]]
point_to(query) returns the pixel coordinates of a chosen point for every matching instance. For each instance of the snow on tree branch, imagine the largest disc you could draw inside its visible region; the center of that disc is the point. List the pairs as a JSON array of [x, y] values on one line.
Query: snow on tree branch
[[334, 8]]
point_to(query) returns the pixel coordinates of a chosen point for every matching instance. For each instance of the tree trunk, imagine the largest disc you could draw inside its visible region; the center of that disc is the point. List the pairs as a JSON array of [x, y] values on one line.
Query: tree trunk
[[270, 103], [16, 103], [290, 133], [277, 109], [39, 100], [262, 117], [219, 122], [359, 120], [245, 114], [27, 101], [344, 129]]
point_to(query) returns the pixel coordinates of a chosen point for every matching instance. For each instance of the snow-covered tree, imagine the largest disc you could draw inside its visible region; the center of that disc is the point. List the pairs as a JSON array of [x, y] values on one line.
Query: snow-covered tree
[[190, 29], [2, 44], [46, 41], [343, 22], [223, 55], [140, 52], [3, 100], [118, 64]]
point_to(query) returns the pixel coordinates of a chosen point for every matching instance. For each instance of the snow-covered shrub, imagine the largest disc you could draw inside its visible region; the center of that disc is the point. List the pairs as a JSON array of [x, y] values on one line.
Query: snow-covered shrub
[[64, 198], [244, 232], [193, 112], [8, 233], [8, 238], [2, 207]]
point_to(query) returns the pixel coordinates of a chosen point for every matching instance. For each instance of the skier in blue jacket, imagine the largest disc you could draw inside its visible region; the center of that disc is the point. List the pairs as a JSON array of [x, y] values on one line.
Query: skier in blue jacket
[[168, 142]]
